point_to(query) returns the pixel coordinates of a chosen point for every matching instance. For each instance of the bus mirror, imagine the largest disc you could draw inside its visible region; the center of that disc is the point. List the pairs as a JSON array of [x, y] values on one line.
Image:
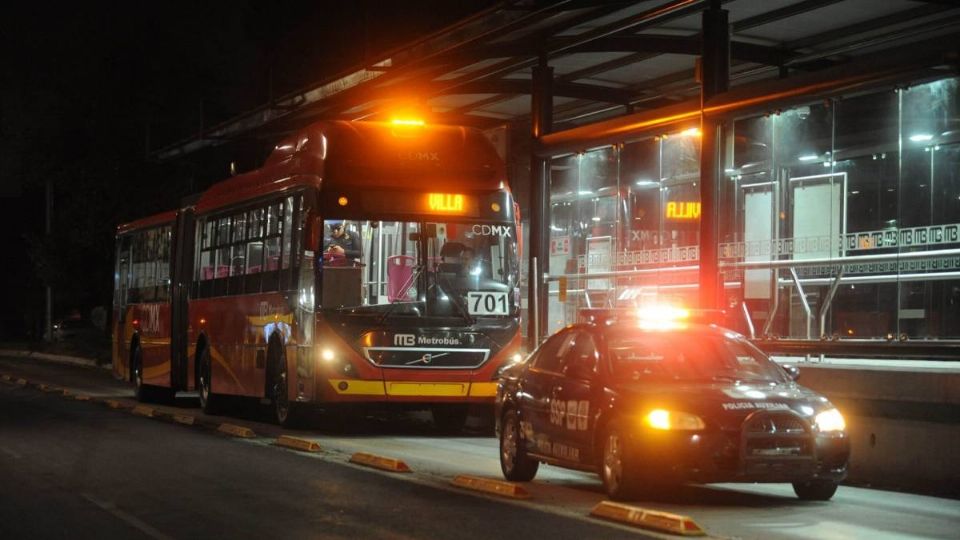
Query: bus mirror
[[429, 231]]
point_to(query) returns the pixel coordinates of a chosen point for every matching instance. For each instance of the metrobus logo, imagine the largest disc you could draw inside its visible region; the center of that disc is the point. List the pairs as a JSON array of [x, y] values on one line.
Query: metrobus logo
[[404, 340]]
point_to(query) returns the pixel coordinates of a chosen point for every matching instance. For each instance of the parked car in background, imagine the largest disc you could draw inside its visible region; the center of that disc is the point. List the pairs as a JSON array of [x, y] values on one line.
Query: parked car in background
[[75, 330]]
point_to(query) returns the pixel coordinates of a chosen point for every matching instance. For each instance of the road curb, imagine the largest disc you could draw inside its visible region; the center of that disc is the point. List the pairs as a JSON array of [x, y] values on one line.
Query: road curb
[[114, 404], [237, 431], [489, 485], [380, 462], [648, 519], [143, 410], [296, 443], [59, 358], [185, 419]]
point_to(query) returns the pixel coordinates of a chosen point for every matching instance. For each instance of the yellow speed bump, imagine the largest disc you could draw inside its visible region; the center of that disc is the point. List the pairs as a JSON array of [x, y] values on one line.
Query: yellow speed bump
[[114, 404], [297, 443], [6, 377], [379, 462], [648, 519], [143, 410], [48, 388], [185, 419], [489, 485], [81, 397], [22, 382], [237, 431], [67, 392]]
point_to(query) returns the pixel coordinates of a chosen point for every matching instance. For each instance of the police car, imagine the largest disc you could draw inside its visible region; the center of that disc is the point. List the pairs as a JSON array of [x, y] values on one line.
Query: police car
[[651, 399]]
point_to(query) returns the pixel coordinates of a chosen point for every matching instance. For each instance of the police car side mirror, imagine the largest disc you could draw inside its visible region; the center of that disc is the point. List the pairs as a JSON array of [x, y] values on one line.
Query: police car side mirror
[[792, 371]]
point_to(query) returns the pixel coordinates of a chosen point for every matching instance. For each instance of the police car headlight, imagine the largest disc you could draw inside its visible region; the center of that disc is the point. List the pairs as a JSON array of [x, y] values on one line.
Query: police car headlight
[[672, 420], [830, 420]]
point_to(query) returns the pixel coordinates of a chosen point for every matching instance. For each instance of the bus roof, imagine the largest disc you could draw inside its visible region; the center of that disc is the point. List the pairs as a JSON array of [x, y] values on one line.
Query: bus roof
[[368, 154], [149, 221]]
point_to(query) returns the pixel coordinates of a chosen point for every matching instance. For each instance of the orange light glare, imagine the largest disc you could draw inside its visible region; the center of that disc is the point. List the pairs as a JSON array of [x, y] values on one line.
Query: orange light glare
[[407, 122], [692, 132], [445, 203], [662, 318], [343, 201]]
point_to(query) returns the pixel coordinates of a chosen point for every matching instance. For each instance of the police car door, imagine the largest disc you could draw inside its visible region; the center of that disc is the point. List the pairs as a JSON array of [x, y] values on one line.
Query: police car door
[[574, 396], [538, 411]]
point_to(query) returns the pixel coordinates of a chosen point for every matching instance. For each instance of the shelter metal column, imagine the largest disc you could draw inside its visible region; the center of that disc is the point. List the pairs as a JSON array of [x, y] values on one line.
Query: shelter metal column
[[541, 105], [715, 79]]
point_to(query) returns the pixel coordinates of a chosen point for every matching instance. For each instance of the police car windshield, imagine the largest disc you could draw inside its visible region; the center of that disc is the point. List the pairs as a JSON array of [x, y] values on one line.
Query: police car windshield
[[684, 356]]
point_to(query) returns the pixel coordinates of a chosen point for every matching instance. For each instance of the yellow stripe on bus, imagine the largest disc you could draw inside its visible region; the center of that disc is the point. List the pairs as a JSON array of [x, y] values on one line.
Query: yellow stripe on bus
[[356, 387], [427, 389], [483, 389]]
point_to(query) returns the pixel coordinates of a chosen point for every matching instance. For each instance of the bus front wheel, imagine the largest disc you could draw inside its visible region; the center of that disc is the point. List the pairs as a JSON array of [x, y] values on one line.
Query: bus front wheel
[[285, 413]]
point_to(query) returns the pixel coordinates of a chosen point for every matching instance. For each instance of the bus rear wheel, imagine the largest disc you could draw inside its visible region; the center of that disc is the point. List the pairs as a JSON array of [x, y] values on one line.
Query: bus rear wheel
[[210, 403]]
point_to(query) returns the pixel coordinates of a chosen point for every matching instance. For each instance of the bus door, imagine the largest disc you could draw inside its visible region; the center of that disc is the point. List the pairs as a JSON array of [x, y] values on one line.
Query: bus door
[[181, 277], [121, 356]]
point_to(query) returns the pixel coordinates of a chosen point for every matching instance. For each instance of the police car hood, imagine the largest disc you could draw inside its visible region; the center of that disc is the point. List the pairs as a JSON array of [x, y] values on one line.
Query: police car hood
[[723, 404]]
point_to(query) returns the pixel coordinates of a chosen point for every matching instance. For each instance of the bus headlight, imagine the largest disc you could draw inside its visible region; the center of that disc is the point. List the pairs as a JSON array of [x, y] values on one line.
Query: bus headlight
[[672, 420], [327, 355], [830, 420]]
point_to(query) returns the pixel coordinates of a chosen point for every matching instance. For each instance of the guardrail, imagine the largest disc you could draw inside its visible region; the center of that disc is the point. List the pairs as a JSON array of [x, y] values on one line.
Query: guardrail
[[944, 350]]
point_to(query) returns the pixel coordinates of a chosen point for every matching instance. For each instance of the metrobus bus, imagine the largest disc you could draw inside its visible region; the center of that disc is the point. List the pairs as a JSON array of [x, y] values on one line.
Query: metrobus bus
[[240, 292]]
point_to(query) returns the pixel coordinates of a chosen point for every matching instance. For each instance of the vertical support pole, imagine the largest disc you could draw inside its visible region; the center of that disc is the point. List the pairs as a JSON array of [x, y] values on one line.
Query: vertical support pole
[[541, 122], [715, 79], [48, 229]]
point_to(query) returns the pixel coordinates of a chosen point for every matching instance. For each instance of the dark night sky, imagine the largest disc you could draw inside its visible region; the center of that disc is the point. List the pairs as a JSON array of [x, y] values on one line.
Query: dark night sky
[[88, 87]]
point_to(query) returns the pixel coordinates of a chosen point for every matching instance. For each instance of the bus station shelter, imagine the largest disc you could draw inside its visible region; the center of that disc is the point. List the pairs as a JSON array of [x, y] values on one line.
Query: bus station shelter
[[795, 163]]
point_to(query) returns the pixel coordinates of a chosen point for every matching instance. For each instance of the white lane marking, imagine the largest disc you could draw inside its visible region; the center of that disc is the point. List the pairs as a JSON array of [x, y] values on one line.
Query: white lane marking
[[129, 519]]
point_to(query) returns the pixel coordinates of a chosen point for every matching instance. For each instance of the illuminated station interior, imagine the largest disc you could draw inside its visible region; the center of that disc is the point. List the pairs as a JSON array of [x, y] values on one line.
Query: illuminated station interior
[[791, 163]]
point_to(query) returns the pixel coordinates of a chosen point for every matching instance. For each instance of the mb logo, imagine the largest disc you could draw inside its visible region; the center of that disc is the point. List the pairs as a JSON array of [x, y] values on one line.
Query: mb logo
[[404, 340]]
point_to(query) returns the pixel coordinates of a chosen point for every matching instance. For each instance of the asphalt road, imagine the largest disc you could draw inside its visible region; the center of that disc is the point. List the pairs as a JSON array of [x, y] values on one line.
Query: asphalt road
[[79, 469], [70, 469]]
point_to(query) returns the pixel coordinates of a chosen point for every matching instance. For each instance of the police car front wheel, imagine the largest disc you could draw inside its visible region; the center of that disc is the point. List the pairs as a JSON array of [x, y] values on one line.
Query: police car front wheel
[[514, 462], [815, 490]]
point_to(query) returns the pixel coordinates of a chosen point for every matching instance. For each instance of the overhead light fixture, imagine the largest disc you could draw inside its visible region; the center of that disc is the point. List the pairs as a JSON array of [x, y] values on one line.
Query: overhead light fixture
[[921, 137]]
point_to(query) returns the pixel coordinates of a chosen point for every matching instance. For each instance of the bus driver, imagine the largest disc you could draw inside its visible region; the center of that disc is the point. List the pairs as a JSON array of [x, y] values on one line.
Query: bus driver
[[341, 242]]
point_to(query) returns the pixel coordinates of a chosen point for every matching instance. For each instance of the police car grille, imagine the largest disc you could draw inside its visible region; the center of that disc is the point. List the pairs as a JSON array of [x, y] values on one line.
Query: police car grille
[[777, 435], [783, 424], [413, 358]]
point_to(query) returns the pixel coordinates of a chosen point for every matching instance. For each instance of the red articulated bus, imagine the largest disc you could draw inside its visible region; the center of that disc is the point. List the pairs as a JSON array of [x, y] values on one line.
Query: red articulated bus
[[365, 262]]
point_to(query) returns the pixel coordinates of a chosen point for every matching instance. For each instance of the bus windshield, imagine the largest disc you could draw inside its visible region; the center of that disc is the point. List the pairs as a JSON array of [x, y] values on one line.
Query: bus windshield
[[420, 268]]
